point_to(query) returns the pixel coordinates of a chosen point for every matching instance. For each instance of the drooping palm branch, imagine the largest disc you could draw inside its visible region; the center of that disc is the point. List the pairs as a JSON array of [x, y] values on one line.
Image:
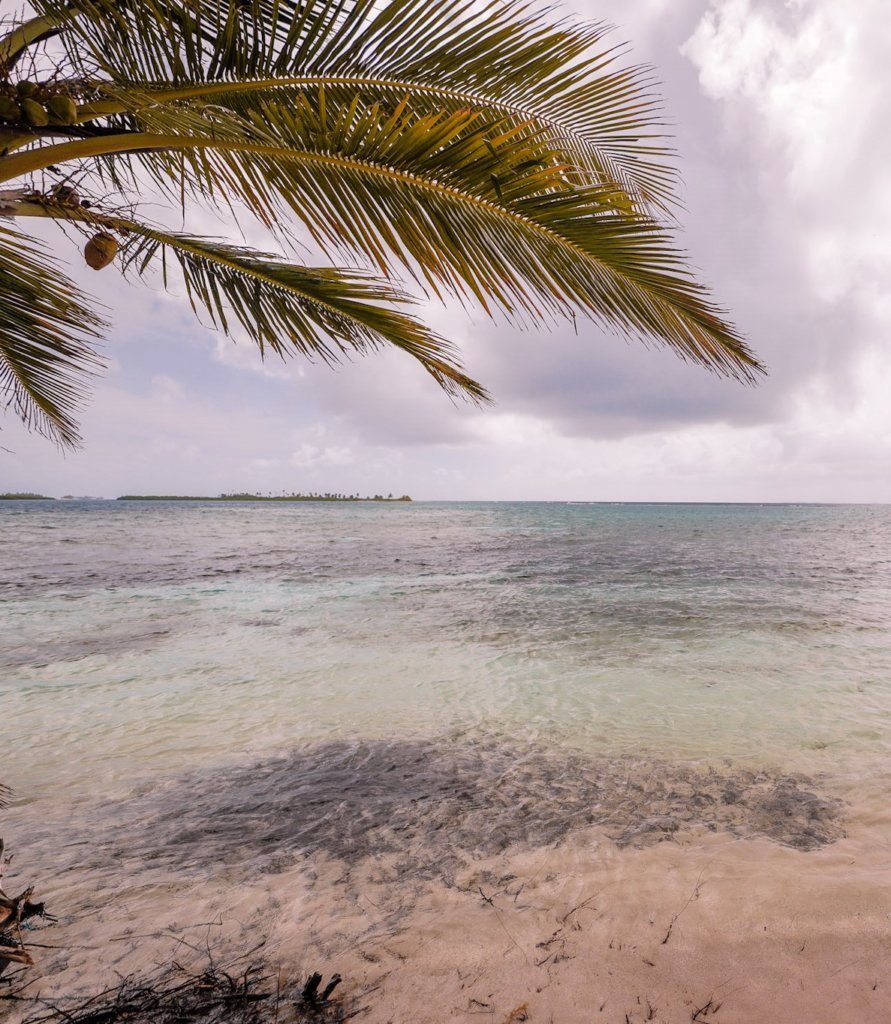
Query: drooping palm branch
[[46, 333], [479, 149]]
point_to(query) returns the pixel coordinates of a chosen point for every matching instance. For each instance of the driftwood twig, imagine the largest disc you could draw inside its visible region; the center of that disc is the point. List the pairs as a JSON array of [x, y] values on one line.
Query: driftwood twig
[[14, 911], [693, 896]]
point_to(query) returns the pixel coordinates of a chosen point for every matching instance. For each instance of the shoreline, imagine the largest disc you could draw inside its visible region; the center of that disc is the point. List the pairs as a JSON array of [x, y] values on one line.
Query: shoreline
[[549, 758], [427, 923], [655, 934]]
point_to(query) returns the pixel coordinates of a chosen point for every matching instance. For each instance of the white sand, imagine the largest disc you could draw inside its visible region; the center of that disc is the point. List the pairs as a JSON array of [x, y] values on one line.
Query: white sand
[[569, 935]]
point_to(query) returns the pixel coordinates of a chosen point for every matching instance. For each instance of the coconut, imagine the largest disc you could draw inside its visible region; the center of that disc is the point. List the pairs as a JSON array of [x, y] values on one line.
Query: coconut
[[100, 250], [26, 88], [9, 110], [65, 194], [34, 114], [62, 109]]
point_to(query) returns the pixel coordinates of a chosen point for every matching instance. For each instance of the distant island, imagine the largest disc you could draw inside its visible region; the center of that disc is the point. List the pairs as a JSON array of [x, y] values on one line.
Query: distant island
[[262, 497], [25, 496]]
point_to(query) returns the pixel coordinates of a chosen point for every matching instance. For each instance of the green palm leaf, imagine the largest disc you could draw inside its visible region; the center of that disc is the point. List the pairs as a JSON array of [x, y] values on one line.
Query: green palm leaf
[[47, 333], [479, 147], [320, 312], [498, 216], [513, 64]]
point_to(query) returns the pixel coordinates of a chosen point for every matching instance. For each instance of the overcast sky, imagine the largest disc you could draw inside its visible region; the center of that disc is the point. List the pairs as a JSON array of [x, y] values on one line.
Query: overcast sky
[[777, 116]]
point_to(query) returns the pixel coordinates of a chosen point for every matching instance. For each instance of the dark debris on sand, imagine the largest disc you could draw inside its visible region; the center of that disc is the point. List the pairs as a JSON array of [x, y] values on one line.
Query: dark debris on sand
[[240, 991], [15, 911]]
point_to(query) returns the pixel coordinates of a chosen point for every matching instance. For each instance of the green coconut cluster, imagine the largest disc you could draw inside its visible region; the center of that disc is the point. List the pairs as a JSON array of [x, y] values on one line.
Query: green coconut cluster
[[35, 105]]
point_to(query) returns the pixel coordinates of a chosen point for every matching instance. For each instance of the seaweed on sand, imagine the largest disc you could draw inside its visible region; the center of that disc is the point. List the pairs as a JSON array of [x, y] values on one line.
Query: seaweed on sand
[[238, 991]]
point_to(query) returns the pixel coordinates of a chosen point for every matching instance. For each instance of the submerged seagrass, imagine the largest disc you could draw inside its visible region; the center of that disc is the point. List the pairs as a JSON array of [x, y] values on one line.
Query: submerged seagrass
[[438, 803]]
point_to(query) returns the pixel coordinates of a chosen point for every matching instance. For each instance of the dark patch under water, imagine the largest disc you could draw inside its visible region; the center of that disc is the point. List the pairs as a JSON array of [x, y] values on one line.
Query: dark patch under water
[[436, 803]]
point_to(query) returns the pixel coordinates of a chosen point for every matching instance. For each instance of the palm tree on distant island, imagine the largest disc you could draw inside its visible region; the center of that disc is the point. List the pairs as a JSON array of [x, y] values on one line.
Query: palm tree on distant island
[[483, 150]]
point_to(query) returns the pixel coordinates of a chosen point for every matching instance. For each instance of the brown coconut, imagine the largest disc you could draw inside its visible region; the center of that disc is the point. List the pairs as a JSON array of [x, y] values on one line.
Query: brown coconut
[[100, 250]]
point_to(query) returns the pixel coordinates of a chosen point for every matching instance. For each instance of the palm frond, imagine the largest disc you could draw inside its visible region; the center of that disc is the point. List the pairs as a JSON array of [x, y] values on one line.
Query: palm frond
[[504, 57], [481, 147], [15, 42], [322, 312], [496, 216], [47, 336]]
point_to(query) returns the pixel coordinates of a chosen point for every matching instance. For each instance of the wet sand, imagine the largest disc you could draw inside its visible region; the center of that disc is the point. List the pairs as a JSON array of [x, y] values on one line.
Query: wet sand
[[453, 881]]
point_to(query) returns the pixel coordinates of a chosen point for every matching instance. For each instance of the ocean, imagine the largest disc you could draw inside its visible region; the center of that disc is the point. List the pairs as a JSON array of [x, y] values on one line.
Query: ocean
[[328, 723]]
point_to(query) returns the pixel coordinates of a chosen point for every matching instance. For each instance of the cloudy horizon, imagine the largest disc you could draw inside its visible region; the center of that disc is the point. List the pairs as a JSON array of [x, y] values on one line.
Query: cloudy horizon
[[775, 112]]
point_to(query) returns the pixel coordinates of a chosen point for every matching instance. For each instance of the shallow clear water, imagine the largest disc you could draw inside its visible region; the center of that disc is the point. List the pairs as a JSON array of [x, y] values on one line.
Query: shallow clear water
[[144, 639], [464, 754]]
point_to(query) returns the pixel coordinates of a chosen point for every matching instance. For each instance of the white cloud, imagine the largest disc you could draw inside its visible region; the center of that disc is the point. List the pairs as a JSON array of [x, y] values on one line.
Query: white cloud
[[805, 87], [800, 67], [165, 390], [310, 456], [243, 354]]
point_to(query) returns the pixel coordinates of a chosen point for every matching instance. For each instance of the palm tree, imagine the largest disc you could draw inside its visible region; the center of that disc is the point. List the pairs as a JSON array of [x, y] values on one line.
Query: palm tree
[[476, 148]]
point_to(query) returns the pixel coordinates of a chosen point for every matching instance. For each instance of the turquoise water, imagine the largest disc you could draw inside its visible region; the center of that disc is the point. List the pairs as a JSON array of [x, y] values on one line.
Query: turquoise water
[[141, 640]]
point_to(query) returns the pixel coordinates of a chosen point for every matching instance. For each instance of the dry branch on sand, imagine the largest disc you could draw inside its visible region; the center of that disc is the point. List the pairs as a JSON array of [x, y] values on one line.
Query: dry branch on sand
[[240, 990], [14, 912], [237, 992]]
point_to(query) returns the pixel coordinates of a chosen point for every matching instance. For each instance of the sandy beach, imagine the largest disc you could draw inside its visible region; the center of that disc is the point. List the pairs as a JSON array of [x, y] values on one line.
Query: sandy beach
[[422, 877], [560, 763]]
